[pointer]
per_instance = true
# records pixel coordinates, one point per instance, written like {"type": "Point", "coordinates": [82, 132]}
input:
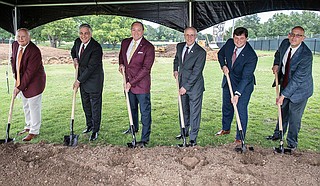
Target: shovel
{"type": "Point", "coordinates": [133, 143]}
{"type": "Point", "coordinates": [243, 146]}
{"type": "Point", "coordinates": [8, 139]}
{"type": "Point", "coordinates": [280, 149]}
{"type": "Point", "coordinates": [72, 139]}
{"type": "Point", "coordinates": [184, 144]}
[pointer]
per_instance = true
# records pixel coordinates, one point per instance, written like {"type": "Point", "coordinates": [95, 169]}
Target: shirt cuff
{"type": "Point", "coordinates": [237, 93]}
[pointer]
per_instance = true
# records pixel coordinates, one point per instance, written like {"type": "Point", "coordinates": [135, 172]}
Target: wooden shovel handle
{"type": "Point", "coordinates": [74, 94]}
{"type": "Point", "coordinates": [234, 105]}
{"type": "Point", "coordinates": [127, 97]}
{"type": "Point", "coordinates": [180, 105]}
{"type": "Point", "coordinates": [279, 106]}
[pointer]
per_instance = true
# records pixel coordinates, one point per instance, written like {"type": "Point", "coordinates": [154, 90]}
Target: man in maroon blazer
{"type": "Point", "coordinates": [28, 70]}
{"type": "Point", "coordinates": [136, 57]}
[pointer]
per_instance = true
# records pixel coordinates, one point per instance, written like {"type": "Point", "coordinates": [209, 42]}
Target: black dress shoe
{"type": "Point", "coordinates": [273, 138]}
{"type": "Point", "coordinates": [94, 136]}
{"type": "Point", "coordinates": [192, 143]}
{"type": "Point", "coordinates": [180, 136]}
{"type": "Point", "coordinates": [142, 144]}
{"type": "Point", "coordinates": [129, 131]}
{"type": "Point", "coordinates": [87, 130]}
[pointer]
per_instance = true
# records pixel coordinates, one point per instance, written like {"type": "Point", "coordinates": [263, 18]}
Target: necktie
{"type": "Point", "coordinates": [81, 51]}
{"type": "Point", "coordinates": [234, 56]}
{"type": "Point", "coordinates": [287, 69]}
{"type": "Point", "coordinates": [132, 50]}
{"type": "Point", "coordinates": [18, 67]}
{"type": "Point", "coordinates": [185, 54]}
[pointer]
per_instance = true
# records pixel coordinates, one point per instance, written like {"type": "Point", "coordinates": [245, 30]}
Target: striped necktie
{"type": "Point", "coordinates": [132, 50]}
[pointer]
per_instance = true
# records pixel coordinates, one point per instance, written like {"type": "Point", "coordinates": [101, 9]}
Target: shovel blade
{"type": "Point", "coordinates": [71, 140]}
{"type": "Point", "coordinates": [6, 140]}
{"type": "Point", "coordinates": [132, 144]}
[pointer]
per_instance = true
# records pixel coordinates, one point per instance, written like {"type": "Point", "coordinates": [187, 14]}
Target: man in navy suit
{"type": "Point", "coordinates": [136, 58]}
{"type": "Point", "coordinates": [188, 66]}
{"type": "Point", "coordinates": [239, 60]}
{"type": "Point", "coordinates": [87, 54]}
{"type": "Point", "coordinates": [296, 84]}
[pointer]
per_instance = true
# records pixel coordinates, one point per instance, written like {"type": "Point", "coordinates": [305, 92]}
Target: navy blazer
{"type": "Point", "coordinates": [190, 71]}
{"type": "Point", "coordinates": [300, 85]}
{"type": "Point", "coordinates": [242, 72]}
{"type": "Point", "coordinates": [90, 73]}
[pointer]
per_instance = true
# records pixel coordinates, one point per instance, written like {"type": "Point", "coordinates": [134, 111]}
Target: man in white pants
{"type": "Point", "coordinates": [30, 78]}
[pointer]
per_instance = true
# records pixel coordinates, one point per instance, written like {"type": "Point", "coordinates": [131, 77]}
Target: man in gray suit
{"type": "Point", "coordinates": [188, 65]}
{"type": "Point", "coordinates": [293, 64]}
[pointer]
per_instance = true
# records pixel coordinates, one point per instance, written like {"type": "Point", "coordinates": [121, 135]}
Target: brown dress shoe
{"type": "Point", "coordinates": [23, 131]}
{"type": "Point", "coordinates": [29, 137]}
{"type": "Point", "coordinates": [222, 132]}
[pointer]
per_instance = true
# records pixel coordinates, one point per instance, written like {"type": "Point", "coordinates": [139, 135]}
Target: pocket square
{"type": "Point", "coordinates": [140, 52]}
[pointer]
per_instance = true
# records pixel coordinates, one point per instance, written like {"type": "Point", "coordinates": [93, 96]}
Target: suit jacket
{"type": "Point", "coordinates": [90, 73]}
{"type": "Point", "coordinates": [138, 70]}
{"type": "Point", "coordinates": [242, 72]}
{"type": "Point", "coordinates": [300, 85]}
{"type": "Point", "coordinates": [32, 74]}
{"type": "Point", "coordinates": [190, 71]}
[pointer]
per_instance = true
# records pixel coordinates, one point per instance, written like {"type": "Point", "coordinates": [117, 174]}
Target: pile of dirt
{"type": "Point", "coordinates": [170, 51]}
{"type": "Point", "coordinates": [53, 164]}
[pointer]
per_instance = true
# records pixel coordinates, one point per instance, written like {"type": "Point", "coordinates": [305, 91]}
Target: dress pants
{"type": "Point", "coordinates": [145, 110]}
{"type": "Point", "coordinates": [92, 104]}
{"type": "Point", "coordinates": [32, 113]}
{"type": "Point", "coordinates": [192, 105]}
{"type": "Point", "coordinates": [291, 115]}
{"type": "Point", "coordinates": [228, 111]}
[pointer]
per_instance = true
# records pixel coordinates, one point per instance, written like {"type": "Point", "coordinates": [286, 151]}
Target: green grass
{"type": "Point", "coordinates": [57, 100]}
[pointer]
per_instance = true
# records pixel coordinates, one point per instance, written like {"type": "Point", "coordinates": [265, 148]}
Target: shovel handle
{"type": "Point", "coordinates": [74, 94]}
{"type": "Point", "coordinates": [127, 97]}
{"type": "Point", "coordinates": [234, 105]}
{"type": "Point", "coordinates": [11, 109]}
{"type": "Point", "coordinates": [180, 105]}
{"type": "Point", "coordinates": [279, 106]}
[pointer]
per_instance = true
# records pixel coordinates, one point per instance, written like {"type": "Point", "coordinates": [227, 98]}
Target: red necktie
{"type": "Point", "coordinates": [287, 70]}
{"type": "Point", "coordinates": [185, 54]}
{"type": "Point", "coordinates": [18, 67]}
{"type": "Point", "coordinates": [81, 51]}
{"type": "Point", "coordinates": [234, 56]}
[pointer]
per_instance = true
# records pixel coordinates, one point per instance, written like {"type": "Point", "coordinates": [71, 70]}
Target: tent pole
{"type": "Point", "coordinates": [15, 20]}
{"type": "Point", "coordinates": [190, 13]}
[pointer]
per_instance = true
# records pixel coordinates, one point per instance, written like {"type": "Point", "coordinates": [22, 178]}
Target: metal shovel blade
{"type": "Point", "coordinates": [184, 144]}
{"type": "Point", "coordinates": [71, 140]}
{"type": "Point", "coordinates": [282, 150]}
{"type": "Point", "coordinates": [6, 140]}
{"type": "Point", "coordinates": [132, 144]}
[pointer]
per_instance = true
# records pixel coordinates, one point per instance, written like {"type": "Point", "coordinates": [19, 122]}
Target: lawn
{"type": "Point", "coordinates": [57, 100]}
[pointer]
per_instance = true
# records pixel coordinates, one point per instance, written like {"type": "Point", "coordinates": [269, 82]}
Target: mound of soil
{"type": "Point", "coordinates": [52, 164]}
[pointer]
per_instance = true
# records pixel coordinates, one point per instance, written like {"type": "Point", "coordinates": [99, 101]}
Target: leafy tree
{"type": "Point", "coordinates": [4, 35]}
{"type": "Point", "coordinates": [59, 30]}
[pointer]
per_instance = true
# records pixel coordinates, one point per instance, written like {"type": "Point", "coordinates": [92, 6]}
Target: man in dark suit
{"type": "Point", "coordinates": [87, 54]}
{"type": "Point", "coordinates": [136, 58]}
{"type": "Point", "coordinates": [30, 78]}
{"type": "Point", "coordinates": [188, 65]}
{"type": "Point", "coordinates": [239, 60]}
{"type": "Point", "coordinates": [293, 64]}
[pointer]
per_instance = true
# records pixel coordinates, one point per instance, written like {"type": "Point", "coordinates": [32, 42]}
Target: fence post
{"type": "Point", "coordinates": [314, 48]}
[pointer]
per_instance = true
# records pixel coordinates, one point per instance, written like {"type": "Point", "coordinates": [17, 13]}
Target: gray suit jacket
{"type": "Point", "coordinates": [300, 85]}
{"type": "Point", "coordinates": [190, 71]}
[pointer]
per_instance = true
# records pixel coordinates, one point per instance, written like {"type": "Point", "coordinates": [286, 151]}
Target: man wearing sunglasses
{"type": "Point", "coordinates": [293, 64]}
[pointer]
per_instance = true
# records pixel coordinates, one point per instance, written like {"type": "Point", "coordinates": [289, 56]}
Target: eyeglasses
{"type": "Point", "coordinates": [295, 35]}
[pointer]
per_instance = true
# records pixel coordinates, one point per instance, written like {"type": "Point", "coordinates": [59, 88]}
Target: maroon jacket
{"type": "Point", "coordinates": [139, 69]}
{"type": "Point", "coordinates": [32, 75]}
